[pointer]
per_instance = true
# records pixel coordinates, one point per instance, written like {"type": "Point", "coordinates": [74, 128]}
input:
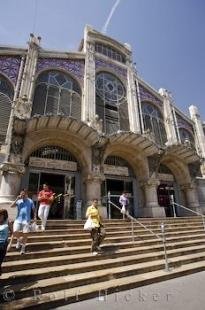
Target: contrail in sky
{"type": "Point", "coordinates": [112, 11]}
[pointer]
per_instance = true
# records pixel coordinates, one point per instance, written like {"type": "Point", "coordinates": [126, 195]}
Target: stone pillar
{"type": "Point", "coordinates": [169, 119]}
{"type": "Point", "coordinates": [88, 107]}
{"type": "Point", "coordinates": [10, 184]}
{"type": "Point", "coordinates": [152, 208]}
{"type": "Point", "coordinates": [191, 197]}
{"type": "Point", "coordinates": [24, 102]}
{"type": "Point", "coordinates": [134, 118]}
{"type": "Point", "coordinates": [200, 136]}
{"type": "Point", "coordinates": [93, 191]}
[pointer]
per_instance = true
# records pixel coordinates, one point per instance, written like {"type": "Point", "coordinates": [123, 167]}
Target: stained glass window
{"type": "Point", "coordinates": [185, 135]}
{"type": "Point", "coordinates": [57, 93]}
{"type": "Point", "coordinates": [153, 121]}
{"type": "Point", "coordinates": [109, 52]}
{"type": "Point", "coordinates": [111, 103]}
{"type": "Point", "coordinates": [6, 96]}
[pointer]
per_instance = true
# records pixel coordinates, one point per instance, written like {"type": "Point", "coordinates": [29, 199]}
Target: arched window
{"type": "Point", "coordinates": [57, 93]}
{"type": "Point", "coordinates": [109, 52]}
{"type": "Point", "coordinates": [111, 104]}
{"type": "Point", "coordinates": [6, 97]}
{"type": "Point", "coordinates": [185, 135]}
{"type": "Point", "coordinates": [153, 121]}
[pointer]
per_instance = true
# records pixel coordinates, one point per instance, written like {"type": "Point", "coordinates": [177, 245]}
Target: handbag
{"type": "Point", "coordinates": [123, 210]}
{"type": "Point", "coordinates": [34, 227]}
{"type": "Point", "coordinates": [89, 224]}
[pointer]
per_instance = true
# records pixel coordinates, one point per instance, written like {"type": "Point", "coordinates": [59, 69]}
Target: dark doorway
{"type": "Point", "coordinates": [165, 193]}
{"type": "Point", "coordinates": [57, 183]}
{"type": "Point", "coordinates": [116, 187]}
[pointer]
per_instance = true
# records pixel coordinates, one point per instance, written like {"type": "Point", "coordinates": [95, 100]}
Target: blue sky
{"type": "Point", "coordinates": [167, 36]}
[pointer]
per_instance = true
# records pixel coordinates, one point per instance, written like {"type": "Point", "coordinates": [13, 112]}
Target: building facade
{"type": "Point", "coordinates": [87, 124]}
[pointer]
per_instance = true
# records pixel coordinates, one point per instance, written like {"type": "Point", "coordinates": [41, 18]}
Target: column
{"type": "Point", "coordinates": [93, 191]}
{"type": "Point", "coordinates": [169, 120]}
{"type": "Point", "coordinates": [88, 107]}
{"type": "Point", "coordinates": [133, 110]}
{"type": "Point", "coordinates": [24, 102]}
{"type": "Point", "coordinates": [10, 184]}
{"type": "Point", "coordinates": [200, 136]}
{"type": "Point", "coordinates": [152, 208]}
{"type": "Point", "coordinates": [191, 197]}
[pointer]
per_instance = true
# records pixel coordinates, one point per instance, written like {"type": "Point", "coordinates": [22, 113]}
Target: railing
{"type": "Point", "coordinates": [190, 210]}
{"type": "Point", "coordinates": [134, 220]}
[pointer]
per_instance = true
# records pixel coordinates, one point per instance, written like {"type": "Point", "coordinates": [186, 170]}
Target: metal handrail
{"type": "Point", "coordinates": [188, 209]}
{"type": "Point", "coordinates": [162, 226]}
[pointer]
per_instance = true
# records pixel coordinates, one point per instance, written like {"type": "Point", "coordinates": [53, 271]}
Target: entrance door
{"type": "Point", "coordinates": [116, 187]}
{"type": "Point", "coordinates": [56, 182]}
{"type": "Point", "coordinates": [60, 184]}
{"type": "Point", "coordinates": [165, 194]}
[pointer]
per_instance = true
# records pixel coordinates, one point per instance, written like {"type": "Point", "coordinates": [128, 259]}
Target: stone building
{"type": "Point", "coordinates": [87, 124]}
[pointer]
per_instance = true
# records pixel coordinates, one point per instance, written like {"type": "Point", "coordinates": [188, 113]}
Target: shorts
{"type": "Point", "coordinates": [21, 227]}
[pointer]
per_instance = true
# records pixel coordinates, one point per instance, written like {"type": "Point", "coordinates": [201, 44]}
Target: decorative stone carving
{"type": "Point", "coordinates": [98, 151]}
{"type": "Point", "coordinates": [12, 168]}
{"type": "Point", "coordinates": [17, 144]}
{"type": "Point", "coordinates": [96, 123]}
{"type": "Point", "coordinates": [22, 108]}
{"type": "Point", "coordinates": [154, 163]}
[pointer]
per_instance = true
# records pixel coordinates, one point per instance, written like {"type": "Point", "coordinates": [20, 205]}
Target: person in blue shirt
{"type": "Point", "coordinates": [21, 226]}
{"type": "Point", "coordinates": [5, 227]}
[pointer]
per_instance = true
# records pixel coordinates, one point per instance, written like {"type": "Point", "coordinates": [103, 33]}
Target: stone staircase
{"type": "Point", "coordinates": [59, 269]}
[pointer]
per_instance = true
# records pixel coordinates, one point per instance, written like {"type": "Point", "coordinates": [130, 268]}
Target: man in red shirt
{"type": "Point", "coordinates": [45, 197]}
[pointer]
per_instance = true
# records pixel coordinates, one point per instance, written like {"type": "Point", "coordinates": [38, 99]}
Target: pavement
{"type": "Point", "coordinates": [187, 292]}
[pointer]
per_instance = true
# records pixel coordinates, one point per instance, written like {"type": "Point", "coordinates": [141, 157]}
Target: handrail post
{"type": "Point", "coordinates": [162, 226]}
{"type": "Point", "coordinates": [109, 207]}
{"type": "Point", "coordinates": [172, 203]}
{"type": "Point", "coordinates": [133, 237]}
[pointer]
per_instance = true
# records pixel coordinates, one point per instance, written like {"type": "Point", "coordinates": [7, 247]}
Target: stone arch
{"type": "Point", "coordinates": [178, 168]}
{"type": "Point", "coordinates": [135, 158]}
{"type": "Point", "coordinates": [68, 141]}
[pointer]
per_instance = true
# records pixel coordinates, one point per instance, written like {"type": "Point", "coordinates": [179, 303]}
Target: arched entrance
{"type": "Point", "coordinates": [119, 177]}
{"type": "Point", "coordinates": [58, 168]}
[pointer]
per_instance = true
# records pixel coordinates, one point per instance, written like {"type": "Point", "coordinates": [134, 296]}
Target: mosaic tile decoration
{"type": "Point", "coordinates": [9, 66]}
{"type": "Point", "coordinates": [76, 67]}
{"type": "Point", "coordinates": [182, 123]}
{"type": "Point", "coordinates": [103, 64]}
{"type": "Point", "coordinates": [146, 95]}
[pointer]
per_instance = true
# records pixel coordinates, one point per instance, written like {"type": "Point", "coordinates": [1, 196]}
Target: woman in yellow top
{"type": "Point", "coordinates": [97, 233]}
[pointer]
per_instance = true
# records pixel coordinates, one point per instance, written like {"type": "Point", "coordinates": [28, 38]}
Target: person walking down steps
{"type": "Point", "coordinates": [97, 230]}
{"type": "Point", "coordinates": [45, 197]}
{"type": "Point", "coordinates": [21, 226]}
{"type": "Point", "coordinates": [124, 202]}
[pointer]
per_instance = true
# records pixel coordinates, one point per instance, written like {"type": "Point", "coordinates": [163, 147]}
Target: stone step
{"type": "Point", "coordinates": [137, 227]}
{"type": "Point", "coordinates": [37, 237]}
{"type": "Point", "coordinates": [139, 239]}
{"type": "Point", "coordinates": [87, 257]}
{"type": "Point", "coordinates": [70, 289]}
{"type": "Point", "coordinates": [37, 274]}
{"type": "Point", "coordinates": [58, 225]}
{"type": "Point", "coordinates": [12, 256]}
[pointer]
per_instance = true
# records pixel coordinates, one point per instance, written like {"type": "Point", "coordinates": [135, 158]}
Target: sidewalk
{"type": "Point", "coordinates": [187, 293]}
